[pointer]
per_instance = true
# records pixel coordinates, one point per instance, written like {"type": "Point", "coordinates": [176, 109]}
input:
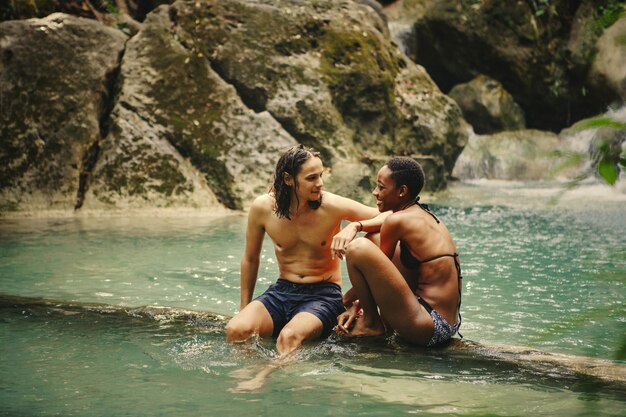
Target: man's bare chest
{"type": "Point", "coordinates": [291, 235]}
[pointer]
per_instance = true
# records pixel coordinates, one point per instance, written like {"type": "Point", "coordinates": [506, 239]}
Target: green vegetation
{"type": "Point", "coordinates": [540, 7]}
{"type": "Point", "coordinates": [109, 6]}
{"type": "Point", "coordinates": [606, 155]}
{"type": "Point", "coordinates": [609, 14]}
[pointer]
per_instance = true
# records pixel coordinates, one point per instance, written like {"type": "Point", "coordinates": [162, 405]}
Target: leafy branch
{"type": "Point", "coordinates": [607, 154]}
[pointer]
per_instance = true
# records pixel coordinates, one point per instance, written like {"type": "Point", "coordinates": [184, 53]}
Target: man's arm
{"type": "Point", "coordinates": [255, 232]}
{"type": "Point", "coordinates": [353, 210]}
{"type": "Point", "coordinates": [362, 219]}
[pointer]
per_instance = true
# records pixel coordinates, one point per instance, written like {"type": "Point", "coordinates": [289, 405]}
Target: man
{"type": "Point", "coordinates": [301, 220]}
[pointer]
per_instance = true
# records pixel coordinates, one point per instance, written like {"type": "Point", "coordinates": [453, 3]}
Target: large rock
{"type": "Point", "coordinates": [608, 73]}
{"type": "Point", "coordinates": [55, 81]}
{"type": "Point", "coordinates": [524, 45]}
{"type": "Point", "coordinates": [105, 10]}
{"type": "Point", "coordinates": [209, 93]}
{"type": "Point", "coordinates": [329, 74]}
{"type": "Point", "coordinates": [522, 155]}
{"type": "Point", "coordinates": [487, 106]}
{"type": "Point", "coordinates": [180, 135]}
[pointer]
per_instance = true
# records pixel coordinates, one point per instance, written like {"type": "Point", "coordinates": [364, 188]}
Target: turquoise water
{"type": "Point", "coordinates": [547, 277]}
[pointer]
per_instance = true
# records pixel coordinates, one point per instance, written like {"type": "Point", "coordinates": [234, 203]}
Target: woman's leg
{"type": "Point", "coordinates": [379, 284]}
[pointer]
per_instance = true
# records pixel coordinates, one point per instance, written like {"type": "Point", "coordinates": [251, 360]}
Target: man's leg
{"type": "Point", "coordinates": [302, 327]}
{"type": "Point", "coordinates": [253, 319]}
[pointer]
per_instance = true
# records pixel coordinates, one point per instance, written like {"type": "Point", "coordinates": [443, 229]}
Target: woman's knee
{"type": "Point", "coordinates": [374, 237]}
{"type": "Point", "coordinates": [359, 247]}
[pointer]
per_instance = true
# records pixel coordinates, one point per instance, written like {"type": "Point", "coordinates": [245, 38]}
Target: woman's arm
{"type": "Point", "coordinates": [390, 233]}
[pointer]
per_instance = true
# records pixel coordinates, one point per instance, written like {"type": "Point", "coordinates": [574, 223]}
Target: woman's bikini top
{"type": "Point", "coordinates": [411, 262]}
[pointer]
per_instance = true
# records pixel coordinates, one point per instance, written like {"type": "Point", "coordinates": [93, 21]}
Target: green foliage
{"type": "Point", "coordinates": [606, 155]}
{"type": "Point", "coordinates": [609, 14]}
{"type": "Point", "coordinates": [110, 6]}
{"type": "Point", "coordinates": [567, 160]}
{"type": "Point", "coordinates": [540, 7]}
{"type": "Point", "coordinates": [598, 122]}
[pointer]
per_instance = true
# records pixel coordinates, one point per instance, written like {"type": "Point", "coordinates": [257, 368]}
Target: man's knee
{"type": "Point", "coordinates": [238, 330]}
{"type": "Point", "coordinates": [289, 336]}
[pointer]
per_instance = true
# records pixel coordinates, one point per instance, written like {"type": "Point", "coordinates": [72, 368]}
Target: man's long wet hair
{"type": "Point", "coordinates": [407, 171]}
{"type": "Point", "coordinates": [290, 162]}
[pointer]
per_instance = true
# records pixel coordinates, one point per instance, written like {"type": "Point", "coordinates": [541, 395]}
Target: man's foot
{"type": "Point", "coordinates": [256, 382]}
{"type": "Point", "coordinates": [251, 385]}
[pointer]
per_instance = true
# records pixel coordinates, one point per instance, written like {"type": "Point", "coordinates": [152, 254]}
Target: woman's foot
{"type": "Point", "coordinates": [364, 327]}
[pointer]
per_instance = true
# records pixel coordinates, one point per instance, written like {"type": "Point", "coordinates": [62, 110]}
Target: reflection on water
{"type": "Point", "coordinates": [548, 276]}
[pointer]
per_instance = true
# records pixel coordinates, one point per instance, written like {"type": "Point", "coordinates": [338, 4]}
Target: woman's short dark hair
{"type": "Point", "coordinates": [290, 162]}
{"type": "Point", "coordinates": [407, 171]}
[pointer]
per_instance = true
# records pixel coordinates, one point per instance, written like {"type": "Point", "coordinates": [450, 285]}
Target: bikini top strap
{"type": "Point", "coordinates": [426, 208]}
{"type": "Point", "coordinates": [452, 255]}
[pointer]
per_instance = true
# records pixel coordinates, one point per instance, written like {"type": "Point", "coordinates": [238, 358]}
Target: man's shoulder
{"type": "Point", "coordinates": [344, 206]}
{"type": "Point", "coordinates": [262, 204]}
{"type": "Point", "coordinates": [335, 200]}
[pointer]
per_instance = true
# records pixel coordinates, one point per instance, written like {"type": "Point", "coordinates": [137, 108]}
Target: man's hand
{"type": "Point", "coordinates": [341, 240]}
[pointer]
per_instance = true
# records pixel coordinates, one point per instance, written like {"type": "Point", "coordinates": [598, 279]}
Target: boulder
{"type": "Point", "coordinates": [56, 75]}
{"type": "Point", "coordinates": [196, 109]}
{"type": "Point", "coordinates": [524, 45]}
{"type": "Point", "coordinates": [311, 67]}
{"type": "Point", "coordinates": [487, 106]}
{"type": "Point", "coordinates": [180, 135]}
{"type": "Point", "coordinates": [102, 10]}
{"type": "Point", "coordinates": [523, 155]}
{"type": "Point", "coordinates": [608, 72]}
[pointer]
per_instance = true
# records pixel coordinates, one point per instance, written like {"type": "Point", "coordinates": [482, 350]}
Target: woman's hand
{"type": "Point", "coordinates": [346, 319]}
{"type": "Point", "coordinates": [341, 240]}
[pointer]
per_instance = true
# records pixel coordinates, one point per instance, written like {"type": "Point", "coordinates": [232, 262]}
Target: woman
{"type": "Point", "coordinates": [411, 272]}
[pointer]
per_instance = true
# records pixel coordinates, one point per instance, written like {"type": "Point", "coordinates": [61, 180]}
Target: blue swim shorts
{"type": "Point", "coordinates": [284, 299]}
